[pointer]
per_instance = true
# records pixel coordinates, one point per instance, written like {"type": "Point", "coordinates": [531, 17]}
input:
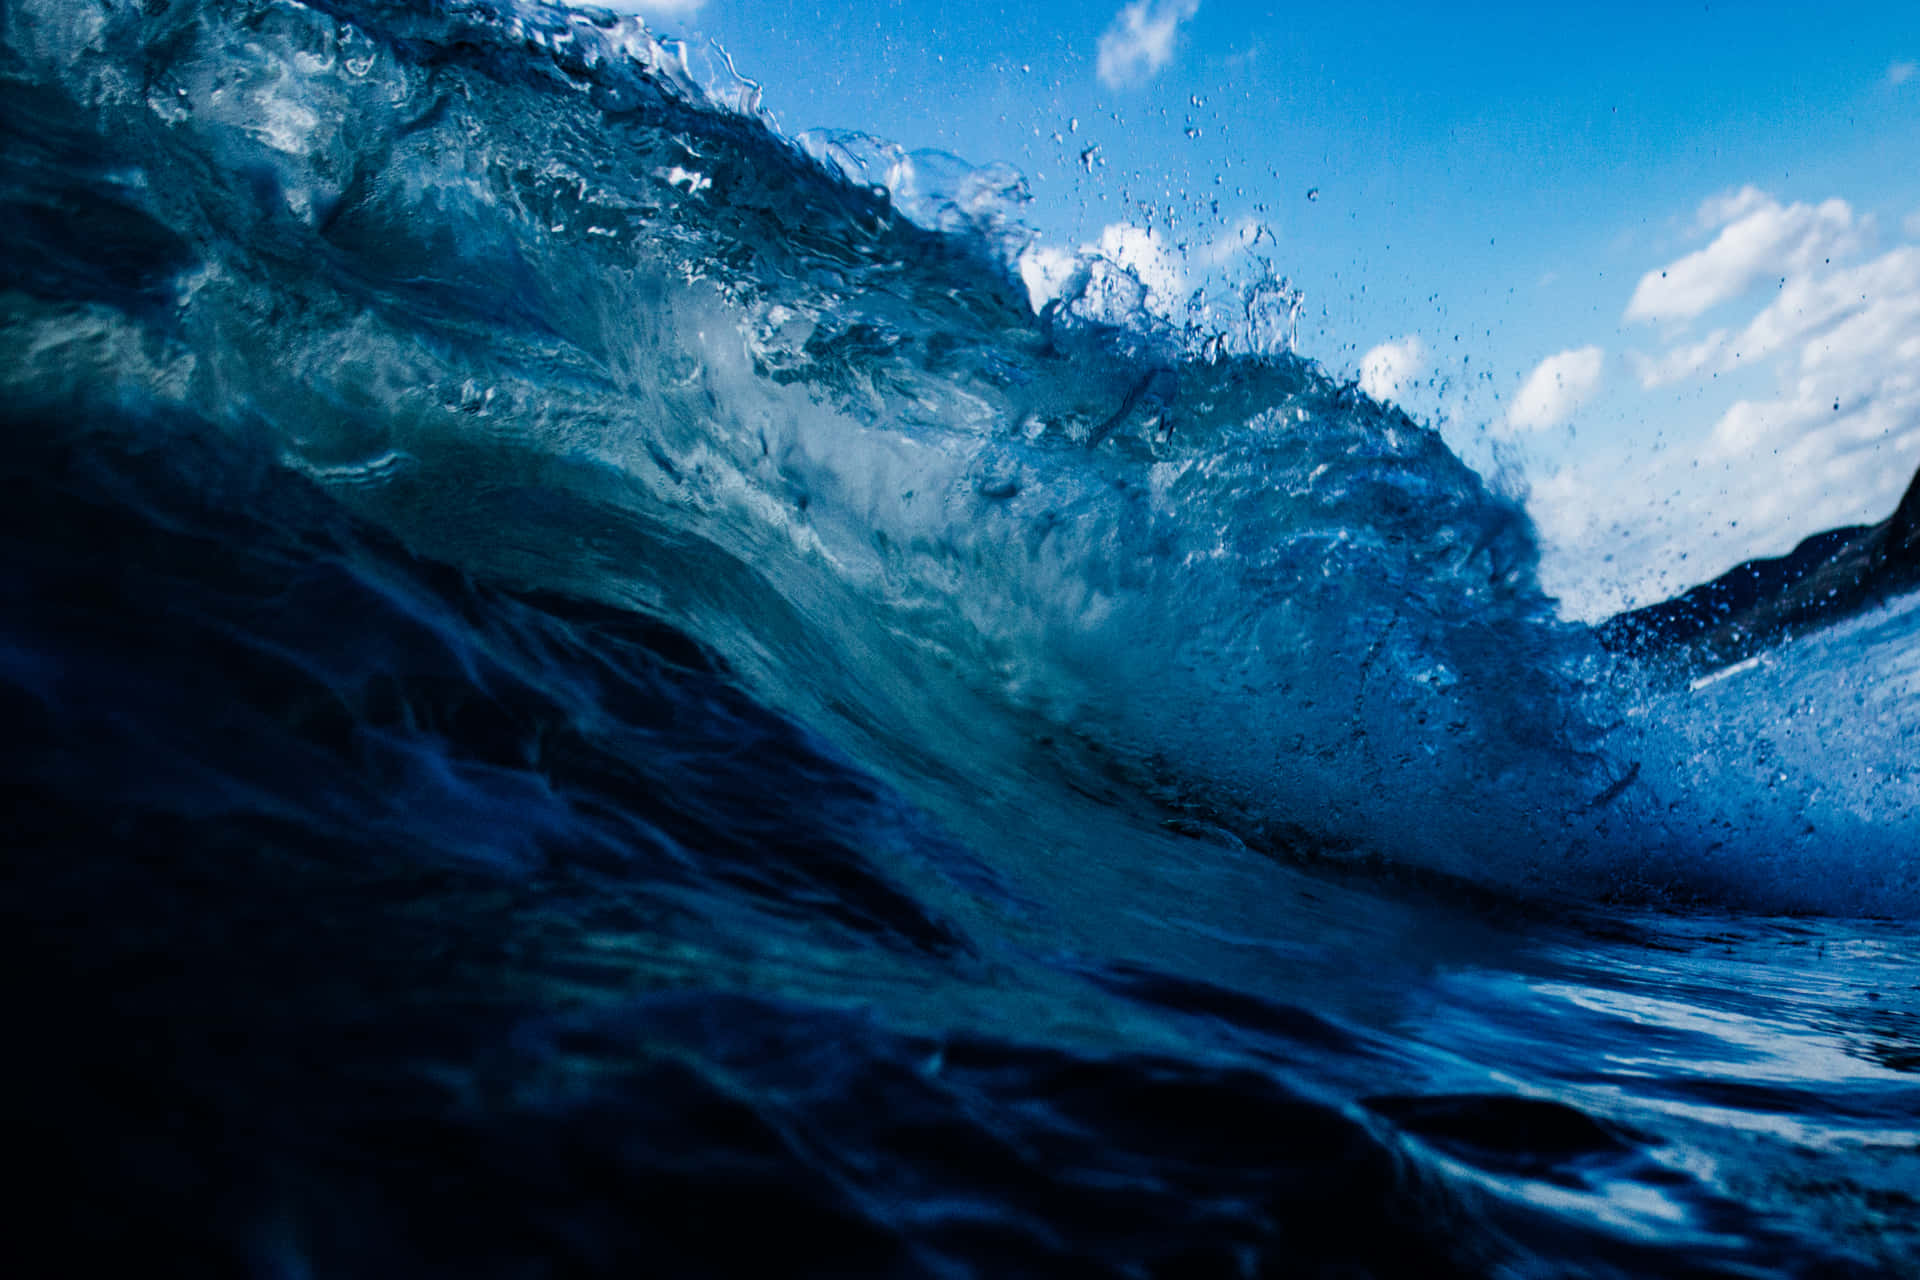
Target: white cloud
{"type": "Point", "coordinates": [1898, 73]}
{"type": "Point", "coordinates": [1763, 238]}
{"type": "Point", "coordinates": [1390, 368]}
{"type": "Point", "coordinates": [1679, 362]}
{"type": "Point", "coordinates": [1841, 436]}
{"type": "Point", "coordinates": [1911, 225]}
{"type": "Point", "coordinates": [1804, 309]}
{"type": "Point", "coordinates": [1809, 307]}
{"type": "Point", "coordinates": [1139, 41]}
{"type": "Point", "coordinates": [1559, 385]}
{"type": "Point", "coordinates": [1835, 441]}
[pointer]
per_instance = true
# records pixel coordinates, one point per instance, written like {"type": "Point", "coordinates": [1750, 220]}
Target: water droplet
{"type": "Point", "coordinates": [1313, 193]}
{"type": "Point", "coordinates": [1090, 157]}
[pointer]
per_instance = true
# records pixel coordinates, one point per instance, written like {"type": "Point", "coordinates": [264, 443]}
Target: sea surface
{"type": "Point", "coordinates": [588, 690]}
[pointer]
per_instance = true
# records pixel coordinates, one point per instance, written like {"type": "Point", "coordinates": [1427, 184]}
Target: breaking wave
{"type": "Point", "coordinates": [523, 287]}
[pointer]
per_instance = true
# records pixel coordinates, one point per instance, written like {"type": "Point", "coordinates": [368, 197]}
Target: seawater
{"type": "Point", "coordinates": [591, 691]}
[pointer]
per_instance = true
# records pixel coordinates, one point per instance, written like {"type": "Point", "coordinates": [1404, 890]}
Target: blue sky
{"type": "Point", "coordinates": [1499, 188]}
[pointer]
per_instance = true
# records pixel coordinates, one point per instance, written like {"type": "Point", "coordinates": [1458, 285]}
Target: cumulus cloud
{"type": "Point", "coordinates": [1759, 238]}
{"type": "Point", "coordinates": [1899, 73]}
{"type": "Point", "coordinates": [1139, 41]}
{"type": "Point", "coordinates": [1390, 368]}
{"type": "Point", "coordinates": [1557, 386]}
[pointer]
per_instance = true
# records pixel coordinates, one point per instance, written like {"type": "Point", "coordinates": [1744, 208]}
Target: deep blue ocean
{"type": "Point", "coordinates": [588, 692]}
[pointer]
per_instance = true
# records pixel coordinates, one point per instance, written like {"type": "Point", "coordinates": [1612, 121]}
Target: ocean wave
{"type": "Point", "coordinates": [480, 268]}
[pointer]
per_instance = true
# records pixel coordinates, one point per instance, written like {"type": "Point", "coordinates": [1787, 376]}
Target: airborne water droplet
{"type": "Point", "coordinates": [1313, 193]}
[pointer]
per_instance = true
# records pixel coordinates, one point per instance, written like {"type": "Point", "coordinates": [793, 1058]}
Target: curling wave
{"type": "Point", "coordinates": [479, 268]}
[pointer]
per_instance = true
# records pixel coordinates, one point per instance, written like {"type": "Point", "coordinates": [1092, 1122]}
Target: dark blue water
{"type": "Point", "coordinates": [585, 695]}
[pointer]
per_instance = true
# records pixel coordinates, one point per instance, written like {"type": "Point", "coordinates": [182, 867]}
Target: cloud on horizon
{"type": "Point", "coordinates": [1139, 41]}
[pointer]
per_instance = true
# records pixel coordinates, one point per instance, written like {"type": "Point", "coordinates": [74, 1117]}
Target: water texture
{"type": "Point", "coordinates": [592, 690]}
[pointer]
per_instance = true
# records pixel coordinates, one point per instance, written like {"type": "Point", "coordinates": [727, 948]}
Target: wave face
{"type": "Point", "coordinates": [637, 622]}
